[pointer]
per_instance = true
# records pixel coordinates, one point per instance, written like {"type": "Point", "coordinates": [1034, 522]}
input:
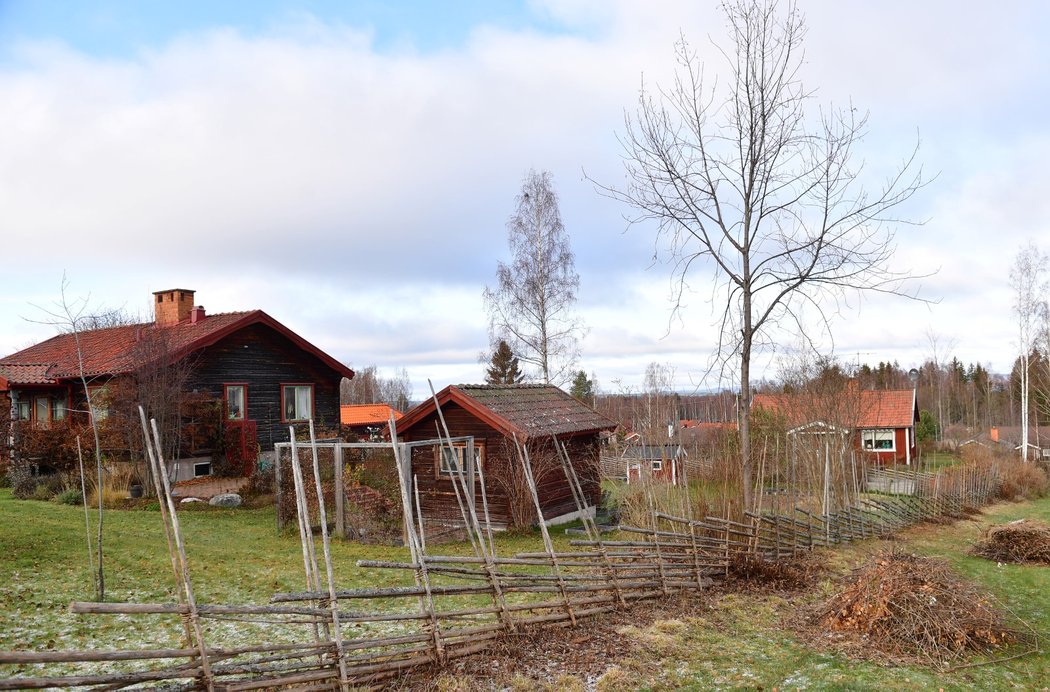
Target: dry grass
{"type": "Point", "coordinates": [1020, 481]}
{"type": "Point", "coordinates": [786, 574]}
{"type": "Point", "coordinates": [1021, 542]}
{"type": "Point", "coordinates": [906, 608]}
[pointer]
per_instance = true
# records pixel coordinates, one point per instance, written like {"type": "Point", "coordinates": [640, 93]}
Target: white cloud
{"type": "Point", "coordinates": [360, 195]}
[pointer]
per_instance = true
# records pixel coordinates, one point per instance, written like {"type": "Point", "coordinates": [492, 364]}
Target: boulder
{"type": "Point", "coordinates": [226, 500]}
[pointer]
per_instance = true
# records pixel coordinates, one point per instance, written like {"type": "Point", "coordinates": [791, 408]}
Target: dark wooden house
{"type": "Point", "coordinates": [494, 415]}
{"type": "Point", "coordinates": [266, 377]}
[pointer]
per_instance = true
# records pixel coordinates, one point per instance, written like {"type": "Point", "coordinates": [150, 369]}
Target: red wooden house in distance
{"type": "Point", "coordinates": [495, 415]}
{"type": "Point", "coordinates": [881, 423]}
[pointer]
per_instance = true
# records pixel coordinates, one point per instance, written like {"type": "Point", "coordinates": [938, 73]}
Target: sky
{"type": "Point", "coordinates": [349, 167]}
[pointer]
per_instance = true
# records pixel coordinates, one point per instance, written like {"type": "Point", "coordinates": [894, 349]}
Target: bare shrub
{"type": "Point", "coordinates": [1019, 481]}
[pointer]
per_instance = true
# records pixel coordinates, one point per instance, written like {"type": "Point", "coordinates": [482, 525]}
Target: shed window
{"type": "Point", "coordinates": [24, 411]}
{"type": "Point", "coordinates": [298, 401]}
{"type": "Point", "coordinates": [58, 409]}
{"type": "Point", "coordinates": [454, 459]}
{"type": "Point", "coordinates": [878, 440]}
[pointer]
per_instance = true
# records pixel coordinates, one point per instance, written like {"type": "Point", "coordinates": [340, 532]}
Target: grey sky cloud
{"type": "Point", "coordinates": [360, 193]}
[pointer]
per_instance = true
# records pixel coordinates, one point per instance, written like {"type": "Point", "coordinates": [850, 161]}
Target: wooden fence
{"type": "Point", "coordinates": [328, 638]}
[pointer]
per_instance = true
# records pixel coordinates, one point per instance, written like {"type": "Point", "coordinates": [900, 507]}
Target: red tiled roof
{"type": "Point", "coordinates": [526, 410]}
{"type": "Point", "coordinates": [860, 409]}
{"type": "Point", "coordinates": [367, 414]}
{"type": "Point", "coordinates": [26, 373]}
{"type": "Point", "coordinates": [119, 350]}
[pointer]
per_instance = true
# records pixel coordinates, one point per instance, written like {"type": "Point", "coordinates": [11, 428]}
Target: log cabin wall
{"type": "Point", "coordinates": [437, 495]}
{"type": "Point", "coordinates": [264, 359]}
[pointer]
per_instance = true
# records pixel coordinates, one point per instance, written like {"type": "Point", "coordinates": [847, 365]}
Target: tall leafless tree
{"type": "Point", "coordinates": [532, 305]}
{"type": "Point", "coordinates": [1027, 279]}
{"type": "Point", "coordinates": [743, 182]}
{"type": "Point", "coordinates": [369, 387]}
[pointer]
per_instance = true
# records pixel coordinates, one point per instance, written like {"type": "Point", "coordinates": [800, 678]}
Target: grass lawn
{"type": "Point", "coordinates": [236, 556]}
{"type": "Point", "coordinates": [745, 640]}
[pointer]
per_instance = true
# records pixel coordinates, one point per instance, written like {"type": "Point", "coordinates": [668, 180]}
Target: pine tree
{"type": "Point", "coordinates": [582, 388]}
{"type": "Point", "coordinates": [504, 366]}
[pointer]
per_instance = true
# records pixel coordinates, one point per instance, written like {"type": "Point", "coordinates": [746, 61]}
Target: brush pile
{"type": "Point", "coordinates": [1022, 542]}
{"type": "Point", "coordinates": [911, 608]}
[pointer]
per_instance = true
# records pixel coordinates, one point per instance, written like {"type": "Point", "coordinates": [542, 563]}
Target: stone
{"type": "Point", "coordinates": [226, 500]}
{"type": "Point", "coordinates": [187, 500]}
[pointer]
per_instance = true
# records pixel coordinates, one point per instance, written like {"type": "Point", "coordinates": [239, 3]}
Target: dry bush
{"type": "Point", "coordinates": [638, 500]}
{"type": "Point", "coordinates": [1021, 542]}
{"type": "Point", "coordinates": [786, 574]}
{"type": "Point", "coordinates": [1020, 481]}
{"type": "Point", "coordinates": [906, 607]}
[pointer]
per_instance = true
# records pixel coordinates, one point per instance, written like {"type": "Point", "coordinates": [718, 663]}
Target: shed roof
{"type": "Point", "coordinates": [120, 350]}
{"type": "Point", "coordinates": [526, 410]}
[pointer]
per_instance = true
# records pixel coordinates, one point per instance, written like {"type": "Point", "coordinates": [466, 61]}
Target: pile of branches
{"type": "Point", "coordinates": [910, 608]}
{"type": "Point", "coordinates": [1021, 541]}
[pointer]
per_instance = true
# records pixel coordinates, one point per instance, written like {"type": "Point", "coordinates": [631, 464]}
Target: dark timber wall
{"type": "Point", "coordinates": [264, 359]}
{"type": "Point", "coordinates": [437, 495]}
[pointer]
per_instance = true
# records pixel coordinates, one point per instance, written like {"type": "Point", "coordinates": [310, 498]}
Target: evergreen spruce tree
{"type": "Point", "coordinates": [504, 366]}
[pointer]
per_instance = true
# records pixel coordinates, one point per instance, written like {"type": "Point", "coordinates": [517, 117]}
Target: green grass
{"type": "Point", "coordinates": [934, 461]}
{"type": "Point", "coordinates": [747, 641]}
{"type": "Point", "coordinates": [236, 556]}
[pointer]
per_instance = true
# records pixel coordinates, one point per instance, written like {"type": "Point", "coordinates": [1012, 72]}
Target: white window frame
{"type": "Point", "coordinates": [242, 413]}
{"type": "Point", "coordinates": [445, 470]}
{"type": "Point", "coordinates": [870, 439]}
{"type": "Point", "coordinates": [296, 390]}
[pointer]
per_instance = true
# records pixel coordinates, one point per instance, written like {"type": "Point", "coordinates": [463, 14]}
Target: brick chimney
{"type": "Point", "coordinates": [172, 306]}
{"type": "Point", "coordinates": [196, 314]}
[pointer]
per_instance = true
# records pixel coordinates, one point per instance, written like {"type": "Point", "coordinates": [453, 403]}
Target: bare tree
{"type": "Point", "coordinates": [742, 181]}
{"type": "Point", "coordinates": [369, 387]}
{"type": "Point", "coordinates": [532, 305]}
{"type": "Point", "coordinates": [1028, 283]}
{"type": "Point", "coordinates": [69, 316]}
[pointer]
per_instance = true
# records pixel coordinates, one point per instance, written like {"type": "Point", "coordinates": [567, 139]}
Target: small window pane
{"type": "Point", "coordinates": [235, 402]}
{"type": "Point", "coordinates": [58, 409]}
{"type": "Point", "coordinates": [298, 402]}
{"type": "Point", "coordinates": [24, 412]}
{"type": "Point", "coordinates": [42, 406]}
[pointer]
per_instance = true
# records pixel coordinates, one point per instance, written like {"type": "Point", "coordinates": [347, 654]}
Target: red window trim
{"type": "Point", "coordinates": [313, 406]}
{"type": "Point", "coordinates": [226, 403]}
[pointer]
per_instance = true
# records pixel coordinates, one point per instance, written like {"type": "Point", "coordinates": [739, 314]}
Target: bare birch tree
{"type": "Point", "coordinates": [1028, 283]}
{"type": "Point", "coordinates": [532, 305]}
{"type": "Point", "coordinates": [741, 181]}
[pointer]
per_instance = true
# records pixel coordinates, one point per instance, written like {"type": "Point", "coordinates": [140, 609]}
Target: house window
{"type": "Point", "coordinates": [657, 463]}
{"type": "Point", "coordinates": [236, 401]}
{"type": "Point", "coordinates": [58, 409]}
{"type": "Point", "coordinates": [297, 402]}
{"type": "Point", "coordinates": [24, 411]}
{"type": "Point", "coordinates": [451, 460]}
{"type": "Point", "coordinates": [201, 468]}
{"type": "Point", "coordinates": [41, 410]}
{"type": "Point", "coordinates": [878, 440]}
{"type": "Point", "coordinates": [98, 402]}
